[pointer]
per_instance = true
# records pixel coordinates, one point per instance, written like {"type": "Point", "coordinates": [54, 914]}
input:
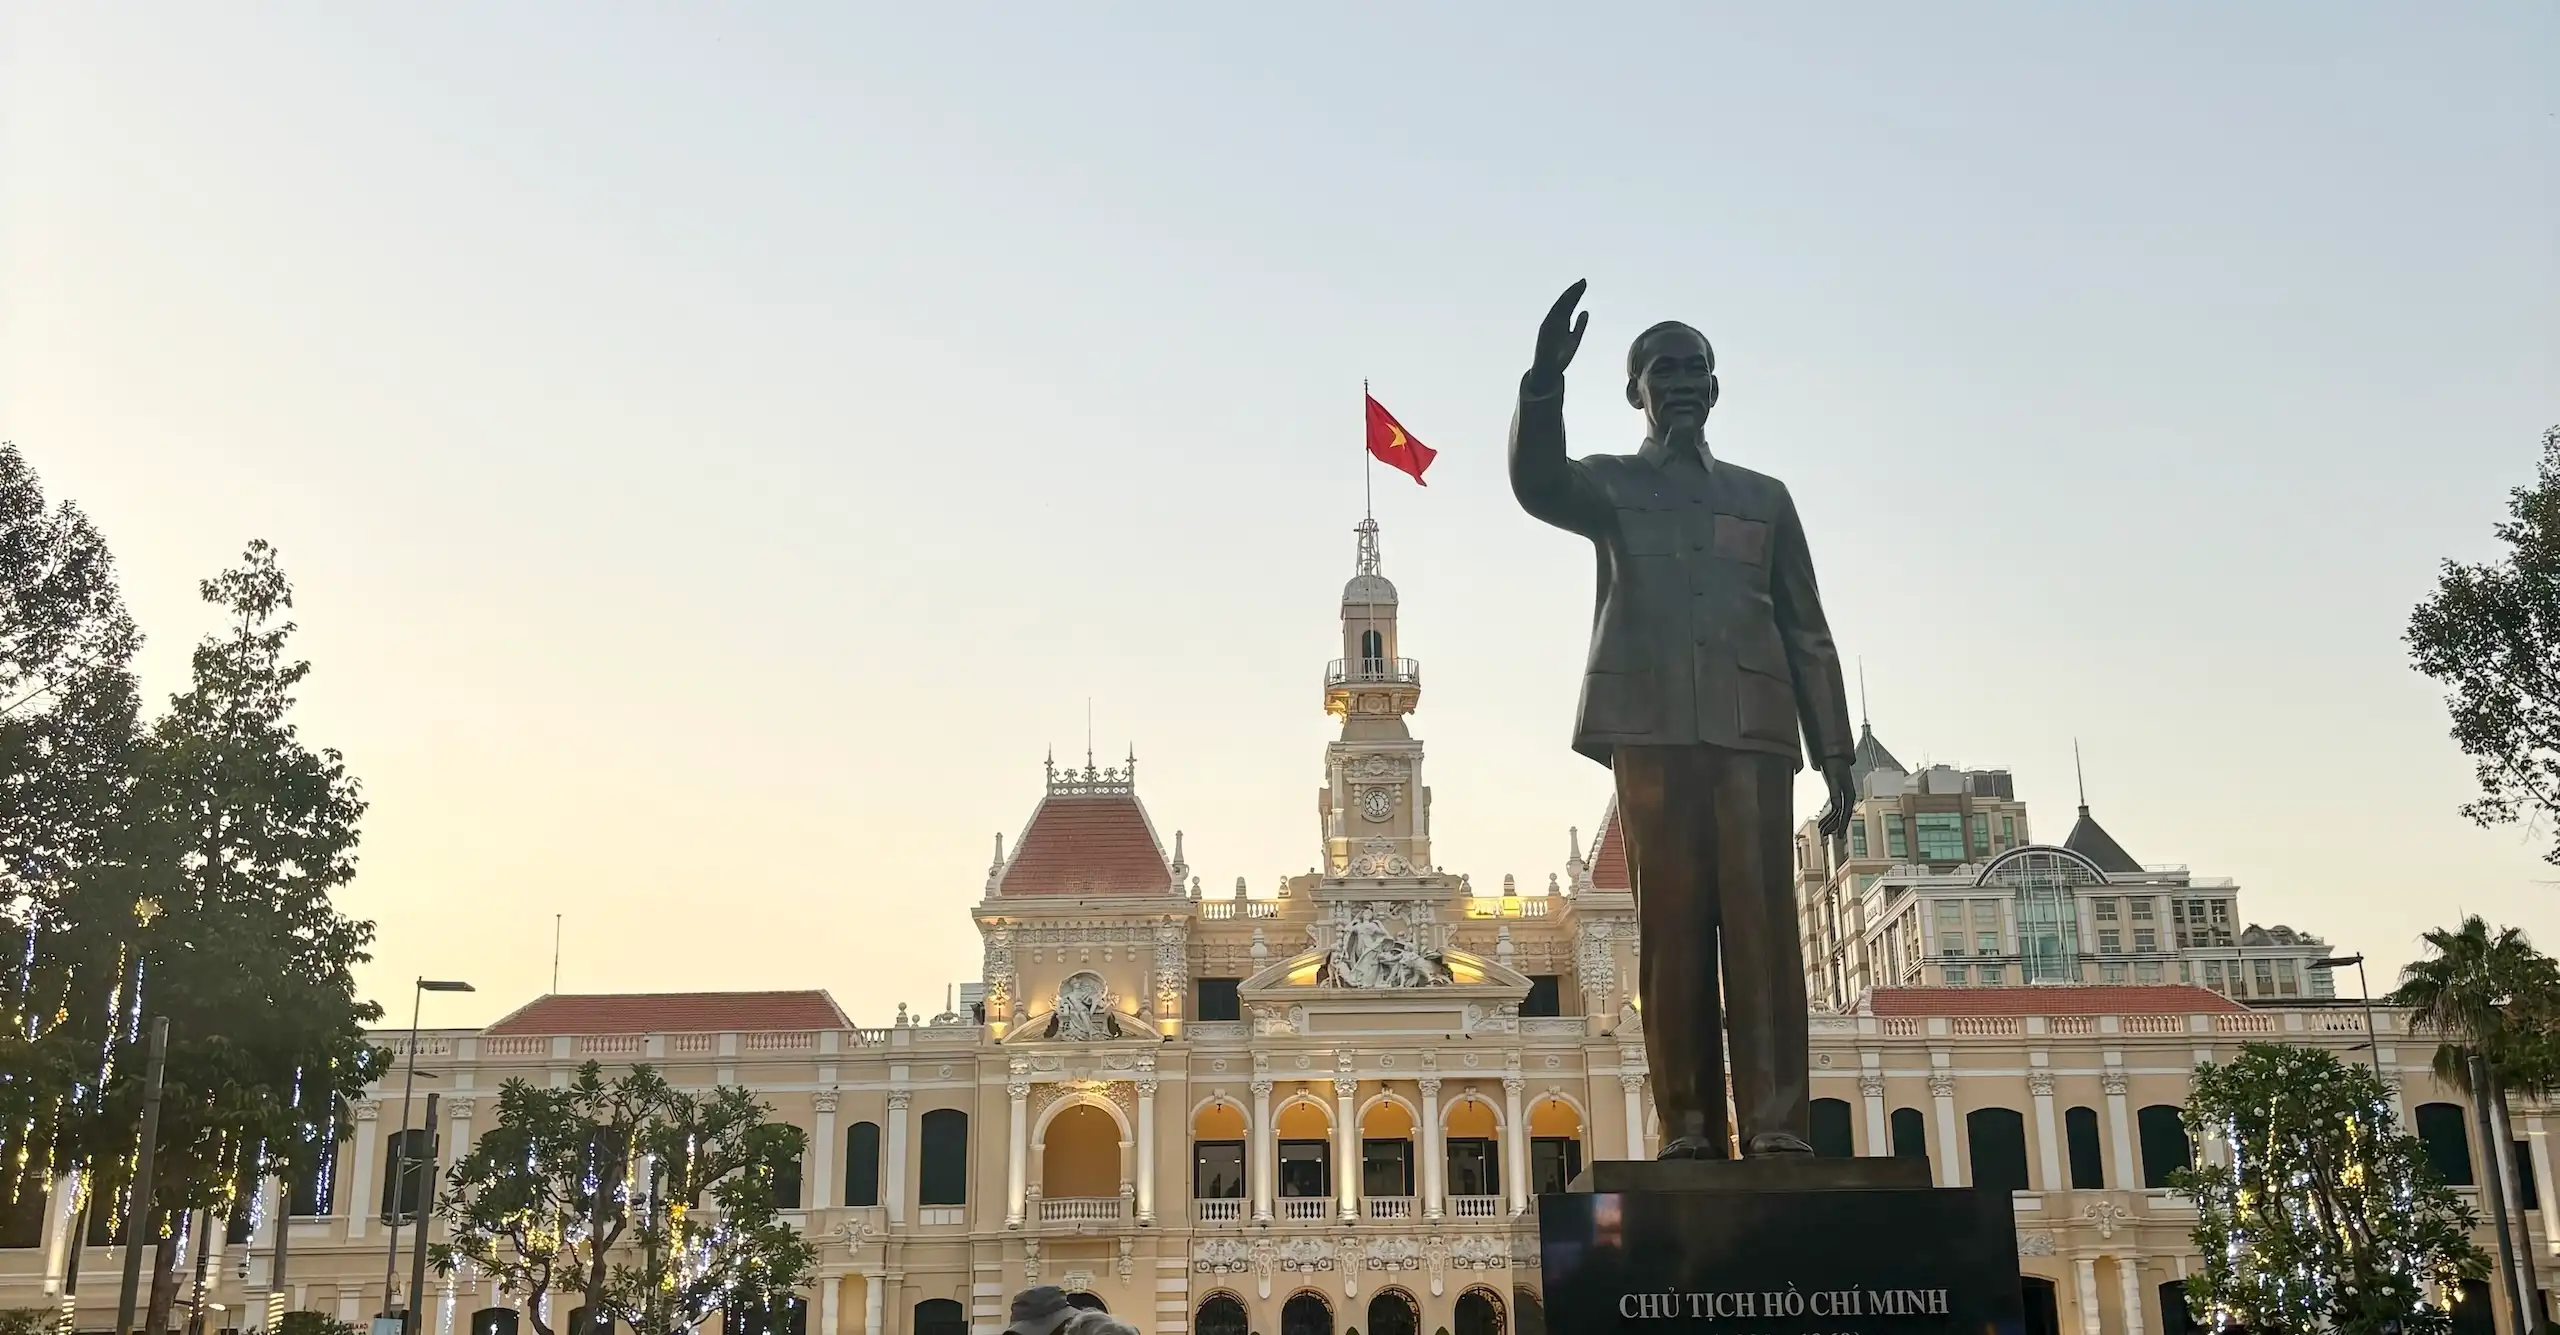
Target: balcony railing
{"type": "Point", "coordinates": [1373, 671]}
{"type": "Point", "coordinates": [1306, 1207]}
{"type": "Point", "coordinates": [1239, 908]}
{"type": "Point", "coordinates": [1389, 1207]}
{"type": "Point", "coordinates": [1081, 1209]}
{"type": "Point", "coordinates": [1475, 1207]}
{"type": "Point", "coordinates": [1227, 1211]}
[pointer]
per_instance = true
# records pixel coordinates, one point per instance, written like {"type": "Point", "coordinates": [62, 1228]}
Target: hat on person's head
{"type": "Point", "coordinates": [1040, 1311]}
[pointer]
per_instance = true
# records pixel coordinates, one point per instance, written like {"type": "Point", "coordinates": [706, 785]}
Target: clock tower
{"type": "Point", "coordinates": [1376, 814]}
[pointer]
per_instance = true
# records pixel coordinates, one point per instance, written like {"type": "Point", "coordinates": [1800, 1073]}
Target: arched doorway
{"type": "Point", "coordinates": [1305, 1132]}
{"type": "Point", "coordinates": [1479, 1312]}
{"type": "Point", "coordinates": [1087, 1301]}
{"type": "Point", "coordinates": [2177, 1315]}
{"type": "Point", "coordinates": [1555, 1146]}
{"type": "Point", "coordinates": [1386, 1159]}
{"type": "Point", "coordinates": [941, 1316]}
{"type": "Point", "coordinates": [1528, 1312]}
{"type": "Point", "coordinates": [1306, 1314]}
{"type": "Point", "coordinates": [1219, 1314]}
{"type": "Point", "coordinates": [1217, 1161]}
{"type": "Point", "coordinates": [2044, 1316]}
{"type": "Point", "coordinates": [2471, 1314]}
{"type": "Point", "coordinates": [1394, 1312]}
{"type": "Point", "coordinates": [1080, 1155]}
{"type": "Point", "coordinates": [494, 1321]}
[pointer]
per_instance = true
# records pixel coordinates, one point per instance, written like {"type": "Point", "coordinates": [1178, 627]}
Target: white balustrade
{"type": "Point", "coordinates": [1475, 1207]}
{"type": "Point", "coordinates": [1082, 1209]}
{"type": "Point", "coordinates": [1227, 1211]}
{"type": "Point", "coordinates": [1306, 1207]}
{"type": "Point", "coordinates": [1389, 1207]}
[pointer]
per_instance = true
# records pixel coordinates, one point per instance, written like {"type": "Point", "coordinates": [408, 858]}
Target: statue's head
{"type": "Point", "coordinates": [1671, 375]}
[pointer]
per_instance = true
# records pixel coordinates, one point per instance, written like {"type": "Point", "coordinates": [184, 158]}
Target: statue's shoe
{"type": "Point", "coordinates": [1774, 1145]}
{"type": "Point", "coordinates": [1683, 1147]}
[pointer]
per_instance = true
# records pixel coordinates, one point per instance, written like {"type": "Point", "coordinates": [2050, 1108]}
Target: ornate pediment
{"type": "Point", "coordinates": [1294, 998]}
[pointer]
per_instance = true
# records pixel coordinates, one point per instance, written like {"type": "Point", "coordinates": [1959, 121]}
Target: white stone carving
{"type": "Point", "coordinates": [1368, 953]}
{"type": "Point", "coordinates": [1222, 1256]}
{"type": "Point", "coordinates": [1942, 1086]}
{"type": "Point", "coordinates": [2106, 1215]}
{"type": "Point", "coordinates": [1436, 1252]}
{"type": "Point", "coordinates": [1596, 955]}
{"type": "Point", "coordinates": [1871, 1084]}
{"type": "Point", "coordinates": [1085, 1014]}
{"type": "Point", "coordinates": [2112, 1082]}
{"type": "Point", "coordinates": [2040, 1084]}
{"type": "Point", "coordinates": [1169, 966]}
{"type": "Point", "coordinates": [1305, 1255]}
{"type": "Point", "coordinates": [1398, 1253]}
{"type": "Point", "coordinates": [1031, 1262]}
{"type": "Point", "coordinates": [1479, 1251]}
{"type": "Point", "coordinates": [824, 1100]}
{"type": "Point", "coordinates": [997, 971]}
{"type": "Point", "coordinates": [2039, 1243]}
{"type": "Point", "coordinates": [854, 1232]}
{"type": "Point", "coordinates": [1524, 1252]}
{"type": "Point", "coordinates": [1379, 857]}
{"type": "Point", "coordinates": [365, 1110]}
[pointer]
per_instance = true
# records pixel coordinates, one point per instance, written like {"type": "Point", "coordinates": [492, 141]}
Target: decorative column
{"type": "Point", "coordinates": [2120, 1130]}
{"type": "Point", "coordinates": [1346, 1140]}
{"type": "Point", "coordinates": [1633, 1083]}
{"type": "Point", "coordinates": [2541, 1151]}
{"type": "Point", "coordinates": [1017, 1156]}
{"type": "Point", "coordinates": [457, 1115]}
{"type": "Point", "coordinates": [1263, 1166]}
{"type": "Point", "coordinates": [1435, 1160]}
{"type": "Point", "coordinates": [874, 1290]}
{"type": "Point", "coordinates": [1879, 1131]}
{"type": "Point", "coordinates": [829, 1287]}
{"type": "Point", "coordinates": [2048, 1158]}
{"type": "Point", "coordinates": [2129, 1276]}
{"type": "Point", "coordinates": [1515, 1143]}
{"type": "Point", "coordinates": [822, 1167]}
{"type": "Point", "coordinates": [1942, 1091]}
{"type": "Point", "coordinates": [1146, 1146]}
{"type": "Point", "coordinates": [361, 1186]}
{"type": "Point", "coordinates": [894, 1190]}
{"type": "Point", "coordinates": [2087, 1271]}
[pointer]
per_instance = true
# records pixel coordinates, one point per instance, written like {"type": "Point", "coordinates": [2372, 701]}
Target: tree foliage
{"type": "Point", "coordinates": [2492, 993]}
{"type": "Point", "coordinates": [2327, 1217]}
{"type": "Point", "coordinates": [655, 1206]}
{"type": "Point", "coordinates": [2491, 634]}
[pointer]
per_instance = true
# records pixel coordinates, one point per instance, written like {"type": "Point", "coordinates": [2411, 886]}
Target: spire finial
{"type": "Point", "coordinates": [2081, 775]}
{"type": "Point", "coordinates": [1367, 561]}
{"type": "Point", "coordinates": [1088, 733]}
{"type": "Point", "coordinates": [1863, 724]}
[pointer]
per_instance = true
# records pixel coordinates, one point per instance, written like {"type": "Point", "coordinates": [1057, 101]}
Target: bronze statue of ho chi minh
{"type": "Point", "coordinates": [1708, 652]}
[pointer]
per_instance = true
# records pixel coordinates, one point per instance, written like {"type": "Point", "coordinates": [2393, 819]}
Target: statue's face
{"type": "Point", "coordinates": [1676, 382]}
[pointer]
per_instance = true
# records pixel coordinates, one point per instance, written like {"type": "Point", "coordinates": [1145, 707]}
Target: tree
{"type": "Point", "coordinates": [2489, 994]}
{"type": "Point", "coordinates": [570, 1183]}
{"type": "Point", "coordinates": [244, 833]}
{"type": "Point", "coordinates": [69, 738]}
{"type": "Point", "coordinates": [2491, 634]}
{"type": "Point", "coordinates": [2327, 1217]}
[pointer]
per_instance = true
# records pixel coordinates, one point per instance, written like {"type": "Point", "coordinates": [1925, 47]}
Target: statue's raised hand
{"type": "Point", "coordinates": [1560, 334]}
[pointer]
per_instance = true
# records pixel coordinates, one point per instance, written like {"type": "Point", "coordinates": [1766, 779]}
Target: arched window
{"type": "Point", "coordinates": [942, 1172]}
{"type": "Point", "coordinates": [1306, 1314]}
{"type": "Point", "coordinates": [2471, 1314]}
{"type": "Point", "coordinates": [1528, 1315]}
{"type": "Point", "coordinates": [2177, 1315]}
{"type": "Point", "coordinates": [579, 1325]}
{"type": "Point", "coordinates": [1219, 1314]}
{"type": "Point", "coordinates": [2044, 1317]}
{"type": "Point", "coordinates": [1831, 1136]}
{"type": "Point", "coordinates": [940, 1316]}
{"type": "Point", "coordinates": [1080, 1154]}
{"type": "Point", "coordinates": [862, 1164]}
{"type": "Point", "coordinates": [1085, 1301]}
{"type": "Point", "coordinates": [1373, 653]}
{"type": "Point", "coordinates": [1305, 1148]}
{"type": "Point", "coordinates": [494, 1321]}
{"type": "Point", "coordinates": [1996, 1138]}
{"type": "Point", "coordinates": [312, 1191]}
{"type": "Point", "coordinates": [1910, 1134]}
{"type": "Point", "coordinates": [2445, 1129]}
{"type": "Point", "coordinates": [786, 1185]}
{"type": "Point", "coordinates": [1217, 1153]}
{"type": "Point", "coordinates": [1555, 1146]}
{"type": "Point", "coordinates": [410, 1150]}
{"type": "Point", "coordinates": [2080, 1133]}
{"type": "Point", "coordinates": [2164, 1143]}
{"type": "Point", "coordinates": [1479, 1312]}
{"type": "Point", "coordinates": [1394, 1312]}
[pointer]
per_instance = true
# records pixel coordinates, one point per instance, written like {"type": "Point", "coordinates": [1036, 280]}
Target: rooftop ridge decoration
{"type": "Point", "coordinates": [1092, 782]}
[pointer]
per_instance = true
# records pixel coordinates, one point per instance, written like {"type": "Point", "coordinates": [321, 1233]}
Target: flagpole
{"type": "Point", "coordinates": [1368, 461]}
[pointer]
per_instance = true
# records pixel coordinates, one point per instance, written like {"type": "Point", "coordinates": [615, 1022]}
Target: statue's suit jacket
{"type": "Point", "coordinates": [1707, 628]}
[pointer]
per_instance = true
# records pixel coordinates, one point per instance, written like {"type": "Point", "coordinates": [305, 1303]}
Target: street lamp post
{"type": "Point", "coordinates": [400, 1153]}
{"type": "Point", "coordinates": [2364, 994]}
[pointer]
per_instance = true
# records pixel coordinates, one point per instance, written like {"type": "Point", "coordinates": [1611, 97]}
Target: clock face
{"type": "Point", "coordinates": [1377, 804]}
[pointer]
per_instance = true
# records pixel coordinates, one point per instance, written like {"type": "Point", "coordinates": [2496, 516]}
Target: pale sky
{"type": "Point", "coordinates": [719, 448]}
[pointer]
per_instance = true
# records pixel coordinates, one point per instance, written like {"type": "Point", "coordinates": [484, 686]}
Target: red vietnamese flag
{"type": "Point", "coordinates": [1391, 445]}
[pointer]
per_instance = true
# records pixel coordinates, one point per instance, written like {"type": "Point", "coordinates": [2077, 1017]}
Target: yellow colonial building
{"type": "Point", "coordinates": [1335, 1106]}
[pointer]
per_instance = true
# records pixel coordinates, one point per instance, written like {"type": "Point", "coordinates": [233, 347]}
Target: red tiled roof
{"type": "Point", "coordinates": [2062, 999]}
{"type": "Point", "coordinates": [1609, 854]}
{"type": "Point", "coordinates": [1079, 845]}
{"type": "Point", "coordinates": [674, 1013]}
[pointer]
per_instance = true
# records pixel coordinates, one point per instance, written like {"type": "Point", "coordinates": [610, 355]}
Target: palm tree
{"type": "Point", "coordinates": [2491, 995]}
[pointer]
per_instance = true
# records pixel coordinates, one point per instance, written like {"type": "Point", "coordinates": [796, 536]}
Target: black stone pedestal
{"type": "Point", "coordinates": [1795, 1246]}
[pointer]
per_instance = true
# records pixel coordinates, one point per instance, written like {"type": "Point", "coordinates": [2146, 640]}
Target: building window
{"type": "Point", "coordinates": [2287, 985]}
{"type": "Point", "coordinates": [401, 1192]}
{"type": "Point", "coordinates": [1218, 999]}
{"type": "Point", "coordinates": [2104, 910]}
{"type": "Point", "coordinates": [1474, 1168]}
{"type": "Point", "coordinates": [1554, 1162]}
{"type": "Point", "coordinates": [1386, 1167]}
{"type": "Point", "coordinates": [1897, 841]}
{"type": "Point", "coordinates": [2110, 973]}
{"type": "Point", "coordinates": [1941, 836]}
{"type": "Point", "coordinates": [940, 1316]}
{"type": "Point", "coordinates": [1993, 975]}
{"type": "Point", "coordinates": [2213, 976]}
{"type": "Point", "coordinates": [1831, 1138]}
{"type": "Point", "coordinates": [1217, 1170]}
{"type": "Point", "coordinates": [2142, 910]}
{"type": "Point", "coordinates": [494, 1321]}
{"type": "Point", "coordinates": [942, 1171]}
{"type": "Point", "coordinates": [1306, 1168]}
{"type": "Point", "coordinates": [1546, 996]}
{"type": "Point", "coordinates": [1986, 943]}
{"type": "Point", "coordinates": [2263, 973]}
{"type": "Point", "coordinates": [862, 1164]}
{"type": "Point", "coordinates": [1910, 1134]}
{"type": "Point", "coordinates": [1997, 1139]}
{"type": "Point", "coordinates": [1981, 834]}
{"type": "Point", "coordinates": [786, 1186]}
{"type": "Point", "coordinates": [2164, 1143]}
{"type": "Point", "coordinates": [1955, 975]}
{"type": "Point", "coordinates": [2080, 1132]}
{"type": "Point", "coordinates": [2525, 1185]}
{"type": "Point", "coordinates": [2008, 831]}
{"type": "Point", "coordinates": [1220, 1314]}
{"type": "Point", "coordinates": [2146, 939]}
{"type": "Point", "coordinates": [2146, 971]}
{"type": "Point", "coordinates": [1858, 838]}
{"type": "Point", "coordinates": [2109, 943]}
{"type": "Point", "coordinates": [2444, 1129]}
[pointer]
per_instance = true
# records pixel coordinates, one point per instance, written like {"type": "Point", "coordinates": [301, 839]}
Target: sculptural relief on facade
{"type": "Point", "coordinates": [1367, 951]}
{"type": "Point", "coordinates": [1085, 1013]}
